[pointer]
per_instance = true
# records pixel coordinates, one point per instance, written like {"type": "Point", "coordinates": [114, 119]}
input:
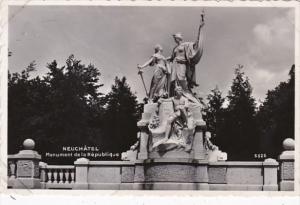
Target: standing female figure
{"type": "Point", "coordinates": [184, 58]}
{"type": "Point", "coordinates": [159, 82]}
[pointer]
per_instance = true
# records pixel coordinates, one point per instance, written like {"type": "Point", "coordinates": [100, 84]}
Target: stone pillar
{"type": "Point", "coordinates": [270, 175]}
{"type": "Point", "coordinates": [81, 173]}
{"type": "Point", "coordinates": [27, 163]}
{"type": "Point", "coordinates": [198, 144]}
{"type": "Point", "coordinates": [143, 151]}
{"type": "Point", "coordinates": [286, 160]}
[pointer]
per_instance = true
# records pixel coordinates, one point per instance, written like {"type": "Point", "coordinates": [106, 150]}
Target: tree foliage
{"type": "Point", "coordinates": [276, 116]}
{"type": "Point", "coordinates": [235, 125]}
{"type": "Point", "coordinates": [55, 111]}
{"type": "Point", "coordinates": [241, 133]}
{"type": "Point", "coordinates": [241, 129]}
{"type": "Point", "coordinates": [214, 113]}
{"type": "Point", "coordinates": [120, 117]}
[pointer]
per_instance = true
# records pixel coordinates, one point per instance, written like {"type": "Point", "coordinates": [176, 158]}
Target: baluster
{"type": "Point", "coordinates": [61, 172]}
{"type": "Point", "coordinates": [12, 167]}
{"type": "Point", "coordinates": [67, 176]}
{"type": "Point", "coordinates": [55, 180]}
{"type": "Point", "coordinates": [49, 173]}
{"type": "Point", "coordinates": [72, 176]}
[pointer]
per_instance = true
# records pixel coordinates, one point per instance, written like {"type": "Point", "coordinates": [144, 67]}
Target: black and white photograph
{"type": "Point", "coordinates": [165, 97]}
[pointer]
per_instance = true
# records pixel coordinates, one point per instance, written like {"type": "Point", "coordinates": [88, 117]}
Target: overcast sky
{"type": "Point", "coordinates": [116, 39]}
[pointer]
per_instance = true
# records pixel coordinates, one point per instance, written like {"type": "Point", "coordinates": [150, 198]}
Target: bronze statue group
{"type": "Point", "coordinates": [173, 79]}
{"type": "Point", "coordinates": [178, 70]}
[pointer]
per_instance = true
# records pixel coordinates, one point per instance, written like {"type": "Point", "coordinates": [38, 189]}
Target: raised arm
{"type": "Point", "coordinates": [199, 40]}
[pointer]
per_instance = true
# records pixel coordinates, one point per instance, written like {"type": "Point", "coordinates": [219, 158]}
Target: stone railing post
{"type": "Point", "coordinates": [43, 174]}
{"type": "Point", "coordinates": [27, 164]}
{"type": "Point", "coordinates": [270, 167]}
{"type": "Point", "coordinates": [81, 173]}
{"type": "Point", "coordinates": [286, 160]}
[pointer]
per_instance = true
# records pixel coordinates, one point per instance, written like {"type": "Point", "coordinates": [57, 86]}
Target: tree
{"type": "Point", "coordinates": [120, 118]}
{"type": "Point", "coordinates": [61, 109]}
{"type": "Point", "coordinates": [26, 98]}
{"type": "Point", "coordinates": [214, 113]}
{"type": "Point", "coordinates": [73, 98]}
{"type": "Point", "coordinates": [239, 134]}
{"type": "Point", "coordinates": [276, 116]}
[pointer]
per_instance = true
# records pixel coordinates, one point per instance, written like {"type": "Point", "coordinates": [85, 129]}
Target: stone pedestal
{"type": "Point", "coordinates": [194, 150]}
{"type": "Point", "coordinates": [287, 169]}
{"type": "Point", "coordinates": [172, 166]}
{"type": "Point", "coordinates": [27, 167]}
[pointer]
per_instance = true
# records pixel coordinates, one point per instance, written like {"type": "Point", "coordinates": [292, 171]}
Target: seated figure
{"type": "Point", "coordinates": [180, 115]}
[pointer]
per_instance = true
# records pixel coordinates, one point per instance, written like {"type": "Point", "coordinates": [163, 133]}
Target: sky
{"type": "Point", "coordinates": [116, 39]}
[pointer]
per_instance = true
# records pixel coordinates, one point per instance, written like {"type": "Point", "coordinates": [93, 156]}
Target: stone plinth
{"type": "Point", "coordinates": [27, 167]}
{"type": "Point", "coordinates": [287, 169]}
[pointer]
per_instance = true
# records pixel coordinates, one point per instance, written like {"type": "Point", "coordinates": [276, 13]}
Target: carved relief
{"type": "Point", "coordinates": [25, 168]}
{"type": "Point", "coordinates": [287, 170]}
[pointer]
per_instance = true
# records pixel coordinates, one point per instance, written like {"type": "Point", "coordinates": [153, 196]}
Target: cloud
{"type": "Point", "coordinates": [263, 33]}
{"type": "Point", "coordinates": [276, 30]}
{"type": "Point", "coordinates": [271, 52]}
{"type": "Point", "coordinates": [273, 41]}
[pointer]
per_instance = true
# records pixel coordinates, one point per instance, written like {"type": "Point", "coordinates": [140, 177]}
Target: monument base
{"type": "Point", "coordinates": [171, 174]}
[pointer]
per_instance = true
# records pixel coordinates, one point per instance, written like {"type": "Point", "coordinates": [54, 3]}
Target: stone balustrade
{"type": "Point", "coordinates": [57, 176]}
{"type": "Point", "coordinates": [26, 171]}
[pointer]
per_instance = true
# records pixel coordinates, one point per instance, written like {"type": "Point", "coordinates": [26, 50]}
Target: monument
{"type": "Point", "coordinates": [172, 150]}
